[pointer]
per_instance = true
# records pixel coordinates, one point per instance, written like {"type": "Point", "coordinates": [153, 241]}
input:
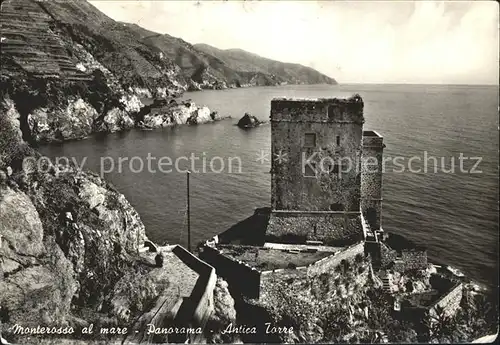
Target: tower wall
{"type": "Point", "coordinates": [371, 178]}
{"type": "Point", "coordinates": [316, 169]}
{"type": "Point", "coordinates": [337, 126]}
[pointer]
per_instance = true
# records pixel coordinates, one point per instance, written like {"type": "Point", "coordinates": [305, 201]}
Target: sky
{"type": "Point", "coordinates": [421, 42]}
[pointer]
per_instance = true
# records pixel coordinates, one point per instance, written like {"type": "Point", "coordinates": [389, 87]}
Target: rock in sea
{"type": "Point", "coordinates": [248, 121]}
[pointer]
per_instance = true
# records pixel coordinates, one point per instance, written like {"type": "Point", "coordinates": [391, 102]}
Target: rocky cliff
{"type": "Point", "coordinates": [69, 244]}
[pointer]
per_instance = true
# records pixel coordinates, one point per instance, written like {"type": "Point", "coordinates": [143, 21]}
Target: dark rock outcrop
{"type": "Point", "coordinates": [249, 121]}
{"type": "Point", "coordinates": [224, 313]}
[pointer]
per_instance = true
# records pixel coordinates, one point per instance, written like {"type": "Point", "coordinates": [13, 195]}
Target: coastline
{"type": "Point", "coordinates": [88, 195]}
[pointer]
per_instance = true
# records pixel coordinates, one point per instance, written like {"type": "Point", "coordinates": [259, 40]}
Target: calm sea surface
{"type": "Point", "coordinates": [454, 214]}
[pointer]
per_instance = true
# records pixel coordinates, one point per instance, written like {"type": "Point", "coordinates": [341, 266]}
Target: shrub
{"type": "Point", "coordinates": [10, 147]}
{"type": "Point", "coordinates": [346, 265]}
{"type": "Point", "coordinates": [358, 258]}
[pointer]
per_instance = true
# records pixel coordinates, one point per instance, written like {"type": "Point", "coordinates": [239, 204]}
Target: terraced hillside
{"type": "Point", "coordinates": [29, 45]}
{"type": "Point", "coordinates": [252, 64]}
{"type": "Point", "coordinates": [69, 70]}
{"type": "Point", "coordinates": [55, 38]}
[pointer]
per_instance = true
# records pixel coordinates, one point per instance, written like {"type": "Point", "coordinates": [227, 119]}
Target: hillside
{"type": "Point", "coordinates": [50, 39]}
{"type": "Point", "coordinates": [70, 71]}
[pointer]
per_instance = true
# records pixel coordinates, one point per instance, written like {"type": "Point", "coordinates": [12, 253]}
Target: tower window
{"type": "Point", "coordinates": [335, 169]}
{"type": "Point", "coordinates": [338, 140]}
{"type": "Point", "coordinates": [310, 171]}
{"type": "Point", "coordinates": [310, 140]}
{"type": "Point", "coordinates": [336, 207]}
{"type": "Point", "coordinates": [333, 113]}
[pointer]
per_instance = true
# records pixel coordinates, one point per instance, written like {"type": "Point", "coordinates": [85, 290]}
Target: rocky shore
{"type": "Point", "coordinates": [68, 77]}
{"type": "Point", "coordinates": [52, 110]}
{"type": "Point", "coordinates": [169, 113]}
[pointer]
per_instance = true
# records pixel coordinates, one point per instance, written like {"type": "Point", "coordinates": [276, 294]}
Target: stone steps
{"type": "Point", "coordinates": [385, 284]}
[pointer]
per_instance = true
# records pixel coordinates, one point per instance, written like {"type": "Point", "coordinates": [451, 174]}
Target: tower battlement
{"type": "Point", "coordinates": [340, 110]}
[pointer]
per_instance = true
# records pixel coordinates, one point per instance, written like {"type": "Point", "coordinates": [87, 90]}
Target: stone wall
{"type": "Point", "coordinates": [337, 128]}
{"type": "Point", "coordinates": [334, 228]}
{"type": "Point", "coordinates": [250, 282]}
{"type": "Point", "coordinates": [371, 178]}
{"type": "Point", "coordinates": [270, 278]}
{"type": "Point", "coordinates": [330, 262]}
{"type": "Point", "coordinates": [450, 302]}
{"type": "Point", "coordinates": [196, 310]}
{"type": "Point", "coordinates": [241, 277]}
{"type": "Point", "coordinates": [325, 265]}
{"type": "Point", "coordinates": [411, 260]}
{"type": "Point", "coordinates": [387, 255]}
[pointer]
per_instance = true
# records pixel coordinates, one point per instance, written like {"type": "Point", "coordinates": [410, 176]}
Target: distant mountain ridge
{"type": "Point", "coordinates": [206, 66]}
{"type": "Point", "coordinates": [241, 60]}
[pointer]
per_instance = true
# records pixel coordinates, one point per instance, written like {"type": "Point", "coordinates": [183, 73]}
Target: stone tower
{"type": "Point", "coordinates": [371, 178]}
{"type": "Point", "coordinates": [315, 172]}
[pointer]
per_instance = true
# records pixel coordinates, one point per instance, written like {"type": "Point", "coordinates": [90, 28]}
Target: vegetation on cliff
{"type": "Point", "coordinates": [223, 314]}
{"type": "Point", "coordinates": [71, 71]}
{"type": "Point", "coordinates": [347, 305]}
